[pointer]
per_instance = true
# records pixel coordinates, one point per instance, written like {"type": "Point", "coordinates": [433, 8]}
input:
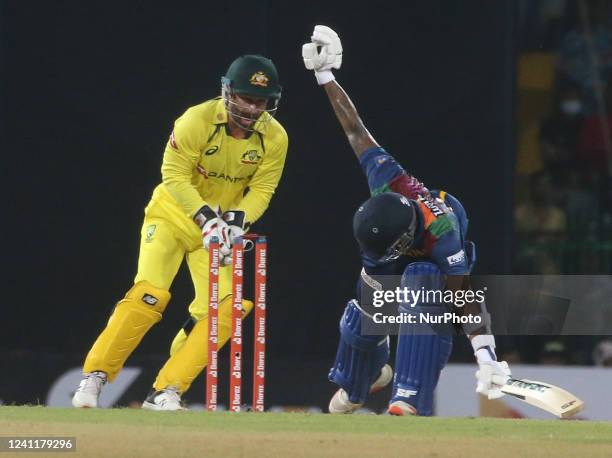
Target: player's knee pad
{"type": "Point", "coordinates": [133, 316]}
{"type": "Point", "coordinates": [189, 350]}
{"type": "Point", "coordinates": [422, 352]}
{"type": "Point", "coordinates": [359, 358]}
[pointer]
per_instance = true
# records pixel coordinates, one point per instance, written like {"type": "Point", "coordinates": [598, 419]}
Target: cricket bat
{"type": "Point", "coordinates": [542, 395]}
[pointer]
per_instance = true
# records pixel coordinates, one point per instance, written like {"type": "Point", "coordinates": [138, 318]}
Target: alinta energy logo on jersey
{"type": "Point", "coordinates": [251, 157]}
{"type": "Point", "coordinates": [259, 79]}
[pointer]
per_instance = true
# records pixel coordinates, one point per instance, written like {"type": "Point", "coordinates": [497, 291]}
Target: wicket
{"type": "Point", "coordinates": [259, 341]}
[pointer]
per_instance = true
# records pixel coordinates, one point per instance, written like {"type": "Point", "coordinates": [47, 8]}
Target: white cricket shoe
{"type": "Point", "coordinates": [401, 409]}
{"type": "Point", "coordinates": [167, 399]}
{"type": "Point", "coordinates": [340, 400]}
{"type": "Point", "coordinates": [88, 393]}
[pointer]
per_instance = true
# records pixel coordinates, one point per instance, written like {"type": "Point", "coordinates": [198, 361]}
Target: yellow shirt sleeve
{"type": "Point", "coordinates": [180, 159]}
{"type": "Point", "coordinates": [266, 178]}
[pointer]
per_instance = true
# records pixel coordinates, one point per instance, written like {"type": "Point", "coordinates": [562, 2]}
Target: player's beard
{"type": "Point", "coordinates": [243, 119]}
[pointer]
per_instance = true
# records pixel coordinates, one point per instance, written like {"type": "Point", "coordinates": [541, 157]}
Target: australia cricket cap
{"type": "Point", "coordinates": [253, 75]}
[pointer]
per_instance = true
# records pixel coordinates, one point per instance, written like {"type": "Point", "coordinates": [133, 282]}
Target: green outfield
{"type": "Point", "coordinates": [133, 432]}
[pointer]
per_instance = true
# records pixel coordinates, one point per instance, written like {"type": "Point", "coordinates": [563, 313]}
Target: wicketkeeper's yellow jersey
{"type": "Point", "coordinates": [203, 165]}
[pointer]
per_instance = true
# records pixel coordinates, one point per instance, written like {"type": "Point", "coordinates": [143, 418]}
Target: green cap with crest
{"type": "Point", "coordinates": [253, 75]}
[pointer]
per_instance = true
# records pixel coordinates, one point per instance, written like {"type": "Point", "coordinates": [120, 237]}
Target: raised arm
{"type": "Point", "coordinates": [356, 132]}
{"type": "Point", "coordinates": [321, 55]}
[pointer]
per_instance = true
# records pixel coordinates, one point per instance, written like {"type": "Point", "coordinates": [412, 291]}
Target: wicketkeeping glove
{"type": "Point", "coordinates": [237, 226]}
{"type": "Point", "coordinates": [235, 219]}
{"type": "Point", "coordinates": [212, 225]}
{"type": "Point", "coordinates": [323, 53]}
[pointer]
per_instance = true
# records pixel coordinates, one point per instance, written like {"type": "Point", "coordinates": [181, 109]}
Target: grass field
{"type": "Point", "coordinates": [133, 432]}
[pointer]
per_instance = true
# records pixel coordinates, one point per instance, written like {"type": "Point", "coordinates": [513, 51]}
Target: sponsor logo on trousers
{"type": "Point", "coordinates": [404, 393]}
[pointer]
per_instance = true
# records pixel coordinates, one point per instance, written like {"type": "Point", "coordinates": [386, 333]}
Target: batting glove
{"type": "Point", "coordinates": [490, 378]}
{"type": "Point", "coordinates": [492, 374]}
{"type": "Point", "coordinates": [323, 53]}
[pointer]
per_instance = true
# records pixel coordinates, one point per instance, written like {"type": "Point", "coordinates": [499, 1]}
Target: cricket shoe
{"type": "Point", "coordinates": [340, 401]}
{"type": "Point", "coordinates": [88, 393]}
{"type": "Point", "coordinates": [167, 399]}
{"type": "Point", "coordinates": [401, 409]}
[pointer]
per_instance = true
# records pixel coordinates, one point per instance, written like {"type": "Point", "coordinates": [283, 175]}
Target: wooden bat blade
{"type": "Point", "coordinates": [544, 396]}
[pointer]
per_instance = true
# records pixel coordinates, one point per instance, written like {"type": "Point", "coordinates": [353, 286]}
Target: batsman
{"type": "Point", "coordinates": [404, 229]}
{"type": "Point", "coordinates": [220, 168]}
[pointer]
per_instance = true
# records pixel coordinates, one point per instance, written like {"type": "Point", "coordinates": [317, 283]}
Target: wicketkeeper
{"type": "Point", "coordinates": [403, 229]}
{"type": "Point", "coordinates": [221, 165]}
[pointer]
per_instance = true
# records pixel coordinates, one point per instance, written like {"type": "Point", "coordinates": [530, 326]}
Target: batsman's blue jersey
{"type": "Point", "coordinates": [443, 226]}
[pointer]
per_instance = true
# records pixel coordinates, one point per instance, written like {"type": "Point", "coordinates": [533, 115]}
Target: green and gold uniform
{"type": "Point", "coordinates": [202, 165]}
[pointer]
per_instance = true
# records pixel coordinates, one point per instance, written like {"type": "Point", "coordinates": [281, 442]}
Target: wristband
{"type": "Point", "coordinates": [484, 347]}
{"type": "Point", "coordinates": [482, 340]}
{"type": "Point", "coordinates": [324, 77]}
{"type": "Point", "coordinates": [485, 354]}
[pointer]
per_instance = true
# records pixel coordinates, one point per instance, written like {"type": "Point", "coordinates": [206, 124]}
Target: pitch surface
{"type": "Point", "coordinates": [133, 432]}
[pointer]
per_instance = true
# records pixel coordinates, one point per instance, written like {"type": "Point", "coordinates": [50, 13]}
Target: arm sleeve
{"type": "Point", "coordinates": [264, 182]}
{"type": "Point", "coordinates": [385, 174]}
{"type": "Point", "coordinates": [449, 254]}
{"type": "Point", "coordinates": [180, 159]}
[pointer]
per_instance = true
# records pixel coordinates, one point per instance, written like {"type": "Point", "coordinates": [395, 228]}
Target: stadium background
{"type": "Point", "coordinates": [90, 92]}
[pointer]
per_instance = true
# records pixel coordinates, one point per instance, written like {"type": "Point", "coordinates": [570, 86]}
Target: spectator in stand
{"type": "Point", "coordinates": [595, 155]}
{"type": "Point", "coordinates": [595, 141]}
{"type": "Point", "coordinates": [539, 221]}
{"type": "Point", "coordinates": [540, 217]}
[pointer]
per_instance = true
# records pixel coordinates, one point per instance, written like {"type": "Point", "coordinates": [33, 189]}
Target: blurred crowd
{"type": "Point", "coordinates": [563, 211]}
{"type": "Point", "coordinates": [563, 201]}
